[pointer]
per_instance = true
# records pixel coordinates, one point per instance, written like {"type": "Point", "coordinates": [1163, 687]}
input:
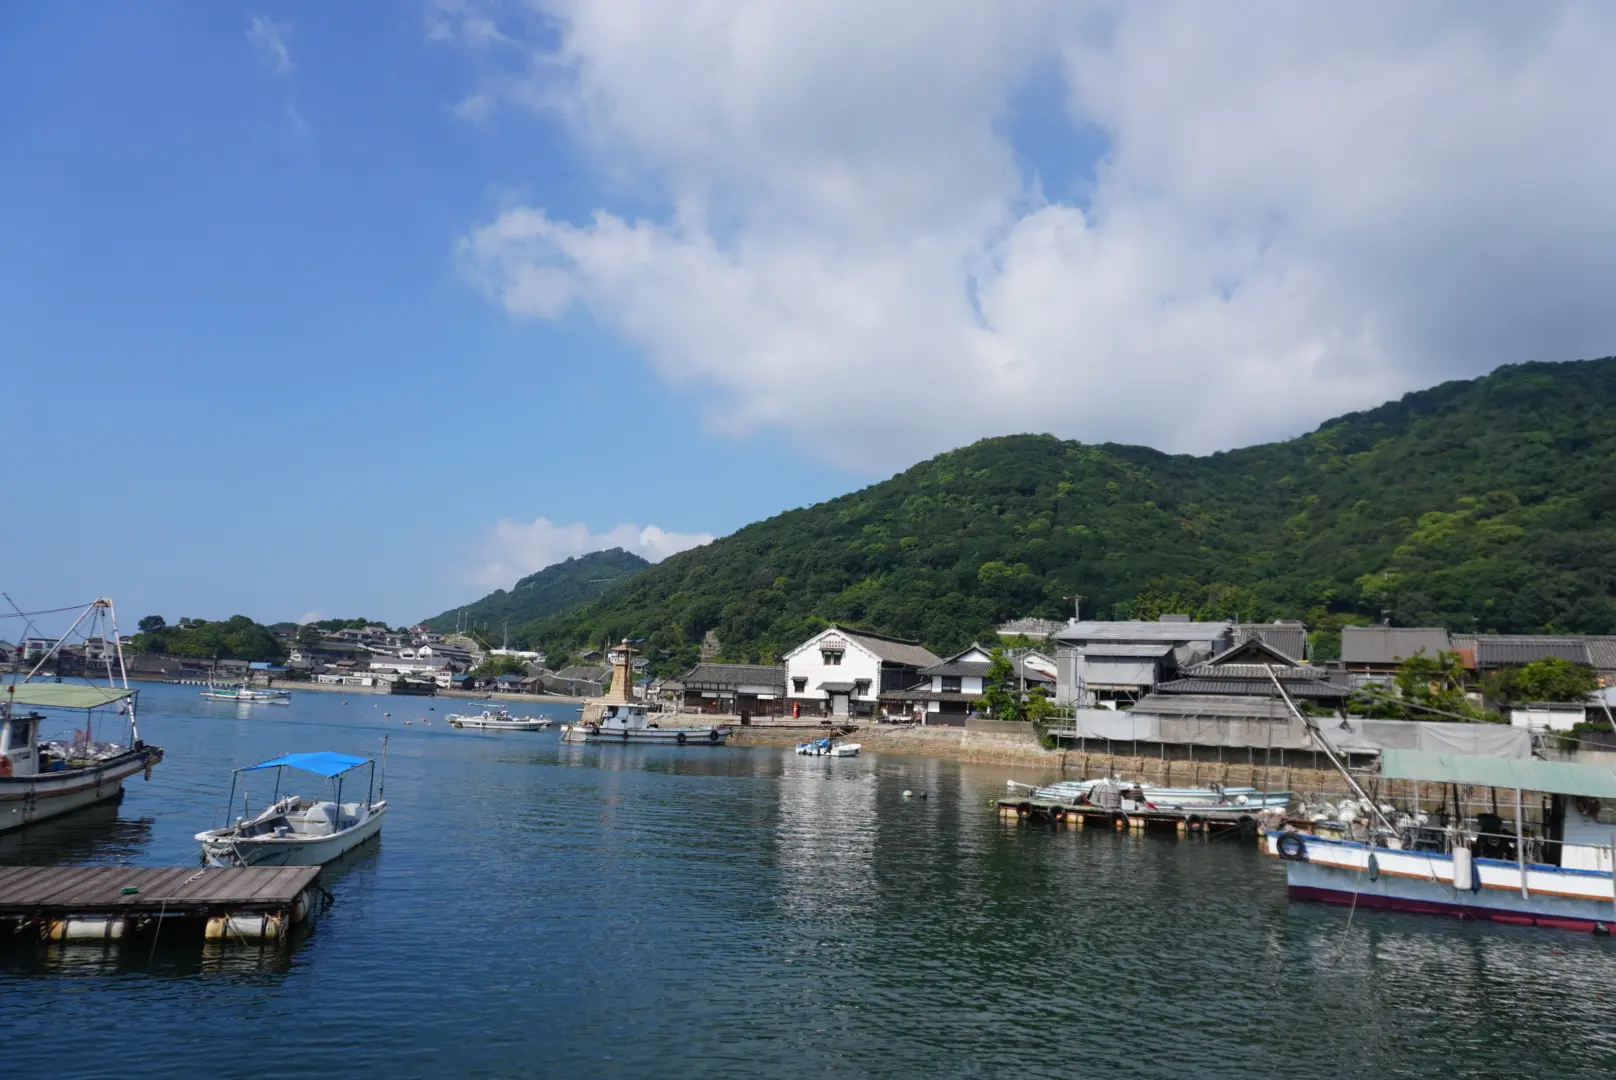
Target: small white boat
{"type": "Point", "coordinates": [499, 718]}
{"type": "Point", "coordinates": [829, 747]}
{"type": "Point", "coordinates": [247, 695]}
{"type": "Point", "coordinates": [295, 831]}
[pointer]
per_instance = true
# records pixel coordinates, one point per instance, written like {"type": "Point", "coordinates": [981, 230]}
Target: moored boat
{"type": "Point", "coordinates": [499, 718]}
{"type": "Point", "coordinates": [43, 779]}
{"type": "Point", "coordinates": [620, 718]}
{"type": "Point", "coordinates": [829, 747]}
{"type": "Point", "coordinates": [247, 695]}
{"type": "Point", "coordinates": [297, 831]}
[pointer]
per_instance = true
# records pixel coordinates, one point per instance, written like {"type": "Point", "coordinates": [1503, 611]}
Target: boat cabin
{"type": "Point", "coordinates": [19, 744]}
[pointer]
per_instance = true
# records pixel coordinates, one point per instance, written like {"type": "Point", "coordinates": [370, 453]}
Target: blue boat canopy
{"type": "Point", "coordinates": [321, 763]}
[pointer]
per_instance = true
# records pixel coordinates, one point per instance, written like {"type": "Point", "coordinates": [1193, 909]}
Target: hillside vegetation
{"type": "Point", "coordinates": [538, 596]}
{"type": "Point", "coordinates": [1484, 505]}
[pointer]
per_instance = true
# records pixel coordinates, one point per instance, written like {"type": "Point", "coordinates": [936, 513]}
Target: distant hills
{"type": "Point", "coordinates": [553, 590]}
{"type": "Point", "coordinates": [1482, 505]}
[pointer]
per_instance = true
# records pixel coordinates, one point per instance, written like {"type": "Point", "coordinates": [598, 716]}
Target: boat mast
{"type": "Point", "coordinates": [1329, 750]}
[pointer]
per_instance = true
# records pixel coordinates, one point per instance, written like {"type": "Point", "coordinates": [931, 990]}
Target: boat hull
{"type": "Point", "coordinates": [661, 736]}
{"type": "Point", "coordinates": [291, 851]}
{"type": "Point", "coordinates": [1338, 872]}
{"type": "Point", "coordinates": [26, 799]}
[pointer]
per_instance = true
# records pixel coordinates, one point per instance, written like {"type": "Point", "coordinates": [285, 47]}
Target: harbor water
{"type": "Point", "coordinates": [540, 909]}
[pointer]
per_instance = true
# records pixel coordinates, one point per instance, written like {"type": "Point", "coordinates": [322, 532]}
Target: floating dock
{"type": "Point", "coordinates": [110, 903]}
{"type": "Point", "coordinates": [1196, 820]}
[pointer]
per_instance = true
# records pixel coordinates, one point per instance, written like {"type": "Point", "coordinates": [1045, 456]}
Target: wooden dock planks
{"type": "Point", "coordinates": [26, 890]}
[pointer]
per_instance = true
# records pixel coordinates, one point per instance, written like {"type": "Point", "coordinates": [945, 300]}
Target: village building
{"type": "Point", "coordinates": [1243, 670]}
{"type": "Point", "coordinates": [1289, 636]}
{"type": "Point", "coordinates": [1108, 663]}
{"type": "Point", "coordinates": [735, 689]}
{"type": "Point", "coordinates": [843, 672]}
{"type": "Point", "coordinates": [951, 691]}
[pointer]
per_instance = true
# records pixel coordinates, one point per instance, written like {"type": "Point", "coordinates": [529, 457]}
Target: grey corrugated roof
{"type": "Point", "coordinates": [1137, 630]}
{"type": "Point", "coordinates": [1391, 644]}
{"type": "Point", "coordinates": [1104, 648]}
{"type": "Point", "coordinates": [1214, 705]}
{"type": "Point", "coordinates": [837, 687]}
{"type": "Point", "coordinates": [711, 675]}
{"type": "Point", "coordinates": [1254, 687]}
{"type": "Point", "coordinates": [1288, 638]}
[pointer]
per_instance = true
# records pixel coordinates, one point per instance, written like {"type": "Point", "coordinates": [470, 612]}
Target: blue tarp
{"type": "Point", "coordinates": [321, 763]}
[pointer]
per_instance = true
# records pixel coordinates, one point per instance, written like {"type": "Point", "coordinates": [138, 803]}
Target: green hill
{"type": "Point", "coordinates": [1481, 505]}
{"type": "Point", "coordinates": [554, 589]}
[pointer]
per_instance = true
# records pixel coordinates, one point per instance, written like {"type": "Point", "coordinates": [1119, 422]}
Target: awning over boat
{"type": "Point", "coordinates": [321, 763]}
{"type": "Point", "coordinates": [43, 695]}
{"type": "Point", "coordinates": [1554, 777]}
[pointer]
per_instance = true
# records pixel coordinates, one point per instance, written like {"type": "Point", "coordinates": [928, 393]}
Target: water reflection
{"type": "Point", "coordinates": [826, 837]}
{"type": "Point", "coordinates": [95, 834]}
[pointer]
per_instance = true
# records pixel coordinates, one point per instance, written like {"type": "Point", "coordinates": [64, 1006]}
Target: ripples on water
{"type": "Point", "coordinates": [535, 909]}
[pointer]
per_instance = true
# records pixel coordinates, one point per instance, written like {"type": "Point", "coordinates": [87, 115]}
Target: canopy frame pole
{"type": "Point", "coordinates": [54, 649]}
{"type": "Point", "coordinates": [1520, 844]}
{"type": "Point", "coordinates": [1329, 751]}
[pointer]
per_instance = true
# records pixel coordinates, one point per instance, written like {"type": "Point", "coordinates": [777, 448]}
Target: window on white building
{"type": "Point", "coordinates": [799, 683]}
{"type": "Point", "coordinates": [832, 657]}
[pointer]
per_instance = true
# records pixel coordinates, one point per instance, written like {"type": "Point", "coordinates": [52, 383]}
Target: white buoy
{"type": "Point", "coordinates": [908, 794]}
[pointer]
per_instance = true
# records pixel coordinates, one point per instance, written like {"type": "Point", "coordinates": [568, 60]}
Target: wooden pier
{"type": "Point", "coordinates": [110, 903]}
{"type": "Point", "coordinates": [1188, 821]}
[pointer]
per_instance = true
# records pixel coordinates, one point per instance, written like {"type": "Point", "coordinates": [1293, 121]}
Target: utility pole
{"type": "Point", "coordinates": [1077, 607]}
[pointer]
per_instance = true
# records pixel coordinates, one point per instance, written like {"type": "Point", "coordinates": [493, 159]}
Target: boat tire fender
{"type": "Point", "coordinates": [1023, 809]}
{"type": "Point", "coordinates": [1119, 819]}
{"type": "Point", "coordinates": [712, 736]}
{"type": "Point", "coordinates": [1374, 867]}
{"type": "Point", "coordinates": [681, 738]}
{"type": "Point", "coordinates": [1291, 846]}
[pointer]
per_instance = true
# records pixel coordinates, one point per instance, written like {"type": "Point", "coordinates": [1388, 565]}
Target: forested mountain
{"type": "Point", "coordinates": [1483, 505]}
{"type": "Point", "coordinates": [552, 590]}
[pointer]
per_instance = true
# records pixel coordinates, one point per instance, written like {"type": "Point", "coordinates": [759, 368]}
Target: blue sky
{"type": "Point", "coordinates": [245, 374]}
{"type": "Point", "coordinates": [362, 309]}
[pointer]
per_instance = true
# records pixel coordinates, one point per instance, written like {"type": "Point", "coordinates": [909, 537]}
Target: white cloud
{"type": "Point", "coordinates": [1303, 209]}
{"type": "Point", "coordinates": [269, 38]}
{"type": "Point", "coordinates": [514, 549]}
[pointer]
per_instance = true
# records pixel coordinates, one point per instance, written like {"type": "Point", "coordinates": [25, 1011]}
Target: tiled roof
{"type": "Point", "coordinates": [707, 676]}
{"type": "Point", "coordinates": [973, 668]}
{"type": "Point", "coordinates": [1254, 687]}
{"type": "Point", "coordinates": [895, 650]}
{"type": "Point", "coordinates": [1391, 644]}
{"type": "Point", "coordinates": [837, 687]}
{"type": "Point", "coordinates": [1289, 638]}
{"type": "Point", "coordinates": [1504, 650]}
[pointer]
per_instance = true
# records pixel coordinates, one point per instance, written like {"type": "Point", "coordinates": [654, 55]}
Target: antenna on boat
{"type": "Point", "coordinates": [1329, 750]}
{"type": "Point", "coordinates": [381, 788]}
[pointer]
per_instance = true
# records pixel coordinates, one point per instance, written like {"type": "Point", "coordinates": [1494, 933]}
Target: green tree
{"type": "Point", "coordinates": [152, 624]}
{"type": "Point", "coordinates": [999, 694]}
{"type": "Point", "coordinates": [1549, 679]}
{"type": "Point", "coordinates": [1424, 688]}
{"type": "Point", "coordinates": [501, 665]}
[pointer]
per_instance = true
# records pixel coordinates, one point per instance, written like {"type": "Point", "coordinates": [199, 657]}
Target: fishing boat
{"type": "Point", "coordinates": [499, 718]}
{"type": "Point", "coordinates": [619, 718]}
{"type": "Point", "coordinates": [43, 779]}
{"type": "Point", "coordinates": [293, 830]}
{"type": "Point", "coordinates": [1483, 867]}
{"type": "Point", "coordinates": [247, 695]}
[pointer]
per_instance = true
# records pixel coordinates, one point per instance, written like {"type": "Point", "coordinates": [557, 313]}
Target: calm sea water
{"type": "Point", "coordinates": [534, 909]}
